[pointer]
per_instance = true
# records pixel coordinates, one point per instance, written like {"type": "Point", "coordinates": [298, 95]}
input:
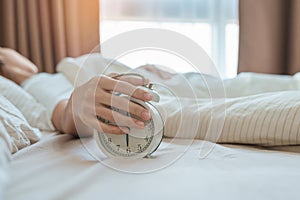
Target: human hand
{"type": "Point", "coordinates": [15, 66]}
{"type": "Point", "coordinates": [94, 99]}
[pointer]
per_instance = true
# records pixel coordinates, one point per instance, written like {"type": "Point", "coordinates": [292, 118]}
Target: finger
{"type": "Point", "coordinates": [122, 104]}
{"type": "Point", "coordinates": [123, 87]}
{"type": "Point", "coordinates": [112, 75]}
{"type": "Point", "coordinates": [132, 79]}
{"type": "Point", "coordinates": [118, 119]}
{"type": "Point", "coordinates": [106, 128]}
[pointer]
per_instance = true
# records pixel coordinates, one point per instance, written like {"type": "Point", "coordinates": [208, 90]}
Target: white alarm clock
{"type": "Point", "coordinates": [139, 143]}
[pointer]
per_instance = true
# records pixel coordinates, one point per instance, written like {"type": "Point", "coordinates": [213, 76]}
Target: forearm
{"type": "Point", "coordinates": [62, 118]}
{"type": "Point", "coordinates": [65, 121]}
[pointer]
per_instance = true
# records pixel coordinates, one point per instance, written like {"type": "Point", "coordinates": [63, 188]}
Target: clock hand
{"type": "Point", "coordinates": [127, 140]}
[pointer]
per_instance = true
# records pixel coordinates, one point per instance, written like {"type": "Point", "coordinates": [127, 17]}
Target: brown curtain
{"type": "Point", "coordinates": [269, 36]}
{"type": "Point", "coordinates": [46, 31]}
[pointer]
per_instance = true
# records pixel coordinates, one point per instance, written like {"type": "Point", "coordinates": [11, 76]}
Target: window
{"type": "Point", "coordinates": [213, 24]}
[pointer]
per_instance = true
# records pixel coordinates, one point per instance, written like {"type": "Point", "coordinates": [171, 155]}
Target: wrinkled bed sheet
{"type": "Point", "coordinates": [60, 167]}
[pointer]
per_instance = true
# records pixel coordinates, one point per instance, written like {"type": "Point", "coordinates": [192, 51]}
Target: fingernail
{"type": "Point", "coordinates": [146, 115]}
{"type": "Point", "coordinates": [148, 96]}
{"type": "Point", "coordinates": [125, 130]}
{"type": "Point", "coordinates": [141, 124]}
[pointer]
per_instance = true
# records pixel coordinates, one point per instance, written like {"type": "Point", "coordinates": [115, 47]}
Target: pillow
{"type": "Point", "coordinates": [93, 63]}
{"type": "Point", "coordinates": [5, 156]}
{"type": "Point", "coordinates": [269, 119]}
{"type": "Point", "coordinates": [12, 122]}
{"type": "Point", "coordinates": [35, 113]}
{"type": "Point", "coordinates": [15, 132]}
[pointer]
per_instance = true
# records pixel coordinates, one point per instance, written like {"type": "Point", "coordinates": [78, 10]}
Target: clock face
{"type": "Point", "coordinates": [138, 143]}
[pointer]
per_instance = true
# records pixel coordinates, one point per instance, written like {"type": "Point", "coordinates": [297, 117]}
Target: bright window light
{"type": "Point", "coordinates": [198, 32]}
{"type": "Point", "coordinates": [232, 42]}
{"type": "Point", "coordinates": [212, 24]}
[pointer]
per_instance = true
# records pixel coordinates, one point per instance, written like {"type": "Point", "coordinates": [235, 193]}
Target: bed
{"type": "Point", "coordinates": [48, 165]}
{"type": "Point", "coordinates": [59, 167]}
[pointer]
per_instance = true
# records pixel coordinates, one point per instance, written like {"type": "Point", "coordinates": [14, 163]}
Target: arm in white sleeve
{"type": "Point", "coordinates": [49, 89]}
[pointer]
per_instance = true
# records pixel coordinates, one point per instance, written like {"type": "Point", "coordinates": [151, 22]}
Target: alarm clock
{"type": "Point", "coordinates": [138, 143]}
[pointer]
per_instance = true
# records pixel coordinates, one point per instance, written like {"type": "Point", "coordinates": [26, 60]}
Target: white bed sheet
{"type": "Point", "coordinates": [59, 167]}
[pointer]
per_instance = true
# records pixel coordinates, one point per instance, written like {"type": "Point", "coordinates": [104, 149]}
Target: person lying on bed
{"type": "Point", "coordinates": [22, 71]}
{"type": "Point", "coordinates": [19, 69]}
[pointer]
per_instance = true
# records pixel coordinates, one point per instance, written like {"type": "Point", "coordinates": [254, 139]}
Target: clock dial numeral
{"type": "Point", "coordinates": [139, 147]}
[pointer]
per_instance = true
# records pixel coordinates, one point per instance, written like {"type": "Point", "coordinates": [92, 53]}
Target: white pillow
{"type": "Point", "coordinates": [14, 123]}
{"type": "Point", "coordinates": [90, 64]}
{"type": "Point", "coordinates": [5, 156]}
{"type": "Point", "coordinates": [15, 132]}
{"type": "Point", "coordinates": [35, 113]}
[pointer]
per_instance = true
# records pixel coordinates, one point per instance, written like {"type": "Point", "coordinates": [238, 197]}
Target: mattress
{"type": "Point", "coordinates": [61, 167]}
